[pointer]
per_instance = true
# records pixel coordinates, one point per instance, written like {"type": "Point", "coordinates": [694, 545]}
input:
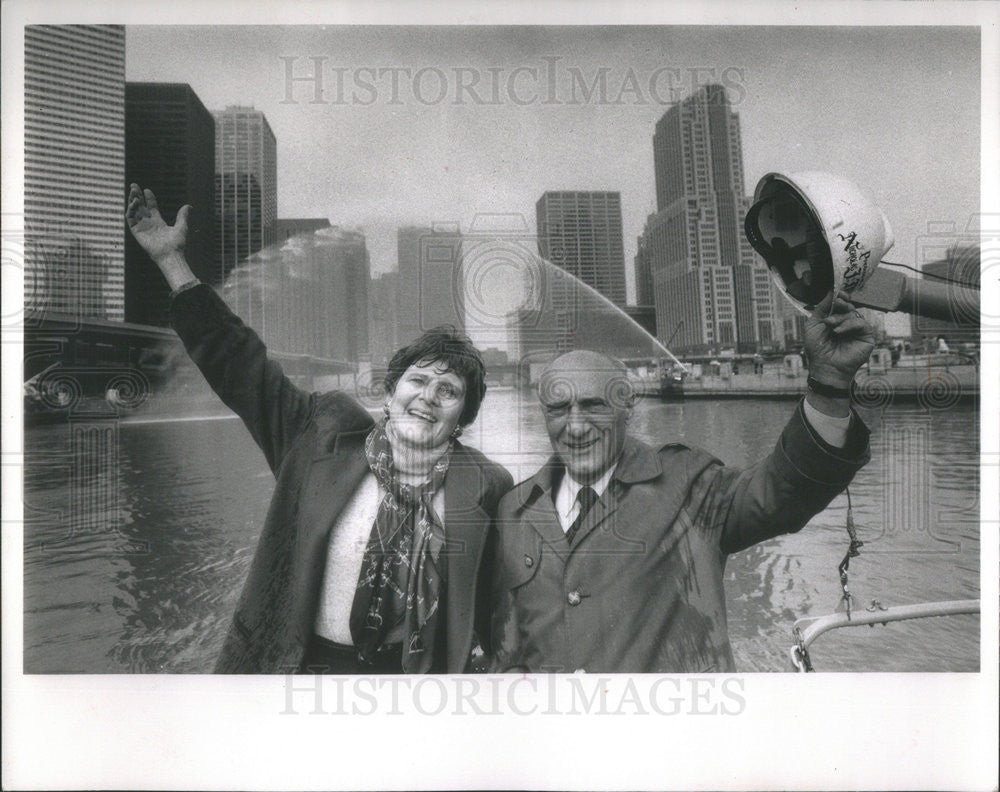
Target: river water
{"type": "Point", "coordinates": [139, 533]}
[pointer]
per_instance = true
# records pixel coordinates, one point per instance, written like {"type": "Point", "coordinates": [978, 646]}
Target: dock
{"type": "Point", "coordinates": [934, 383]}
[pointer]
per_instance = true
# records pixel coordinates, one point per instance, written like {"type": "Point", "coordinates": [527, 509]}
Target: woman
{"type": "Point", "coordinates": [374, 556]}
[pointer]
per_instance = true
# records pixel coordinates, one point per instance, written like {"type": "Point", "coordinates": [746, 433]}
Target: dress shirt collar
{"type": "Point", "coordinates": [638, 462]}
{"type": "Point", "coordinates": [565, 497]}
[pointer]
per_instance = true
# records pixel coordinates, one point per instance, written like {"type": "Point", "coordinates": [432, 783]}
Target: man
{"type": "Point", "coordinates": [612, 555]}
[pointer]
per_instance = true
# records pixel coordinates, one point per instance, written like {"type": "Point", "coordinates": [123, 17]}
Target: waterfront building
{"type": "Point", "coordinates": [581, 232]}
{"type": "Point", "coordinates": [644, 289]}
{"type": "Point", "coordinates": [74, 169]}
{"type": "Point", "coordinates": [644, 316]}
{"type": "Point", "coordinates": [430, 285]}
{"type": "Point", "coordinates": [383, 324]}
{"type": "Point", "coordinates": [313, 293]}
{"type": "Point", "coordinates": [169, 148]}
{"type": "Point", "coordinates": [246, 196]}
{"type": "Point", "coordinates": [710, 289]}
{"type": "Point", "coordinates": [961, 264]}
{"type": "Point", "coordinates": [794, 323]}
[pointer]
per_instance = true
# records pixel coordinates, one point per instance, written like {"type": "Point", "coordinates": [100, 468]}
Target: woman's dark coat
{"type": "Point", "coordinates": [314, 444]}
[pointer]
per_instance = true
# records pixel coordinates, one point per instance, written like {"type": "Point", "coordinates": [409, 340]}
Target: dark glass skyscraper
{"type": "Point", "coordinates": [169, 148]}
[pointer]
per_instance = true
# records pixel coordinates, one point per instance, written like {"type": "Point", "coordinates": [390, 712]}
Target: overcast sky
{"type": "Point", "coordinates": [895, 109]}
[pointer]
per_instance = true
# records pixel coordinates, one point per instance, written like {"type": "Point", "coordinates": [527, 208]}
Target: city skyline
{"type": "Point", "coordinates": [265, 177]}
{"type": "Point", "coordinates": [833, 110]}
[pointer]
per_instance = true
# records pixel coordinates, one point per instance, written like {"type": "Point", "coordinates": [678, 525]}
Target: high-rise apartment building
{"type": "Point", "coordinates": [246, 193]}
{"type": "Point", "coordinates": [169, 148]}
{"type": "Point", "coordinates": [581, 232]}
{"type": "Point", "coordinates": [430, 279]}
{"type": "Point", "coordinates": [74, 169]}
{"type": "Point", "coordinates": [710, 289]}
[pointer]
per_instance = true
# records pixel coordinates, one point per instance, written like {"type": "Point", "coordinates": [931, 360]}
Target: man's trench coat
{"type": "Point", "coordinates": [641, 588]}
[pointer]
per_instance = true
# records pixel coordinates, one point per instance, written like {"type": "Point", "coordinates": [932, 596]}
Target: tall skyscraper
{"type": "Point", "coordinates": [710, 289]}
{"type": "Point", "coordinates": [582, 233]}
{"type": "Point", "coordinates": [430, 279]}
{"type": "Point", "coordinates": [643, 272]}
{"type": "Point", "coordinates": [169, 148]}
{"type": "Point", "coordinates": [246, 192]}
{"type": "Point", "coordinates": [74, 169]}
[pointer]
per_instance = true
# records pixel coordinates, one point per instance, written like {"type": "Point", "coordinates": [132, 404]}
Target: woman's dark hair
{"type": "Point", "coordinates": [449, 347]}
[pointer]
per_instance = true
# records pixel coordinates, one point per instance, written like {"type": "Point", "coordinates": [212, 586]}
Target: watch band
{"type": "Point", "coordinates": [822, 389]}
{"type": "Point", "coordinates": [184, 287]}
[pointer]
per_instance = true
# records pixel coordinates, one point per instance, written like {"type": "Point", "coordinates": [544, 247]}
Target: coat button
{"type": "Point", "coordinates": [529, 561]}
{"type": "Point", "coordinates": [574, 598]}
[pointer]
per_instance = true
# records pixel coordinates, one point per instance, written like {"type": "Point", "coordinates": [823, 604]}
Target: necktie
{"type": "Point", "coordinates": [586, 497]}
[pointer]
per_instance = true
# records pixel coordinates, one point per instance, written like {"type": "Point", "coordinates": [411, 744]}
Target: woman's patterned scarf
{"type": "Point", "coordinates": [402, 572]}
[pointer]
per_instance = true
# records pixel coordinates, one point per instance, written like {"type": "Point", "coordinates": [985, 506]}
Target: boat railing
{"type": "Point", "coordinates": [807, 630]}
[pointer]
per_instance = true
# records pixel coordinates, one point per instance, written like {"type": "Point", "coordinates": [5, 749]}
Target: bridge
{"type": "Point", "coordinates": [94, 352]}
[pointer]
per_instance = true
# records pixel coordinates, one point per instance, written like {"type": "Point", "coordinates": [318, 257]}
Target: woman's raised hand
{"type": "Point", "coordinates": [163, 243]}
{"type": "Point", "coordinates": [158, 239]}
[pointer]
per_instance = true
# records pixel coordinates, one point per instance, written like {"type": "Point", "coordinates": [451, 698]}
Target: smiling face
{"type": "Point", "coordinates": [426, 405]}
{"type": "Point", "coordinates": [586, 399]}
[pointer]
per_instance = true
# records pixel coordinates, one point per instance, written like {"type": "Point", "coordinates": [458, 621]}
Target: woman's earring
{"type": "Point", "coordinates": [385, 409]}
{"type": "Point", "coordinates": [457, 433]}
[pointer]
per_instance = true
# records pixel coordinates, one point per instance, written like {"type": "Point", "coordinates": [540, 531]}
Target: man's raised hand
{"type": "Point", "coordinates": [838, 342]}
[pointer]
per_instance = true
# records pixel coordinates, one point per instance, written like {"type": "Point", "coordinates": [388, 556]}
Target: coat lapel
{"type": "Point", "coordinates": [539, 509]}
{"type": "Point", "coordinates": [637, 463]}
{"type": "Point", "coordinates": [332, 480]}
{"type": "Point", "coordinates": [601, 511]}
{"type": "Point", "coordinates": [466, 526]}
{"type": "Point", "coordinates": [542, 517]}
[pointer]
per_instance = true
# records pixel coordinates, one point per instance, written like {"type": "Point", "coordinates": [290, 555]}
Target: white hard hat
{"type": "Point", "coordinates": [816, 232]}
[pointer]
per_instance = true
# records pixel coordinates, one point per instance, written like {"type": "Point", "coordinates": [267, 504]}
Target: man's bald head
{"type": "Point", "coordinates": [587, 399]}
{"type": "Point", "coordinates": [586, 358]}
{"type": "Point", "coordinates": [586, 370]}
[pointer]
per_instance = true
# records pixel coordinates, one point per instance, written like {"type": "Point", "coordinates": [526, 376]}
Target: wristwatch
{"type": "Point", "coordinates": [822, 389]}
{"type": "Point", "coordinates": [184, 287]}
